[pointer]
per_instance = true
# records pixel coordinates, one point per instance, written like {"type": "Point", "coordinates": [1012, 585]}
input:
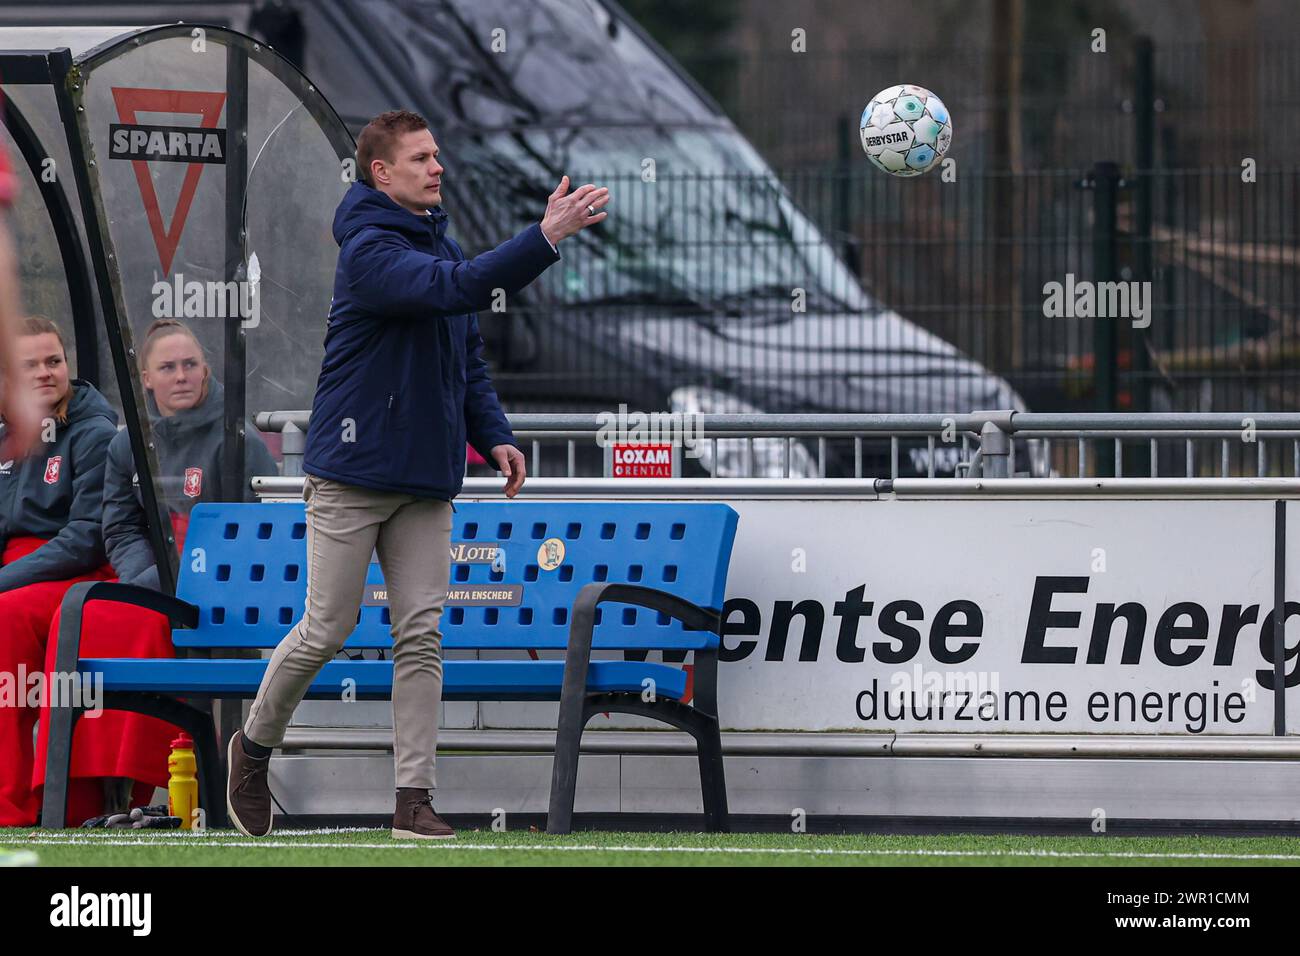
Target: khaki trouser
{"type": "Point", "coordinates": [345, 525]}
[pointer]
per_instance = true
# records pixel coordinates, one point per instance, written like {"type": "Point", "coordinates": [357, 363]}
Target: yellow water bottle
{"type": "Point", "coordinates": [182, 784]}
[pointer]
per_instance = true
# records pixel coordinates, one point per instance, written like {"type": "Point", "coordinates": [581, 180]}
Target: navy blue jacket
{"type": "Point", "coordinates": [404, 384]}
{"type": "Point", "coordinates": [57, 493]}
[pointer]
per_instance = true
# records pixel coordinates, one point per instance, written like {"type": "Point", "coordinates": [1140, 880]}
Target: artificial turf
{"type": "Point", "coordinates": [376, 847]}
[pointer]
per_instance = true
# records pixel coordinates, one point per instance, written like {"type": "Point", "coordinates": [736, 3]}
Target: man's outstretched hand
{"type": "Point", "coordinates": [567, 215]}
{"type": "Point", "coordinates": [510, 462]}
{"type": "Point", "coordinates": [23, 416]}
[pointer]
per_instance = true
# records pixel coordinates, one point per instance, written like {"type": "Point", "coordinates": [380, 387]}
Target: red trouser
{"type": "Point", "coordinates": [114, 744]}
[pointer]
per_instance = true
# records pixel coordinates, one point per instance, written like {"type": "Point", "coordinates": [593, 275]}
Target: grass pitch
{"type": "Point", "coordinates": [376, 847]}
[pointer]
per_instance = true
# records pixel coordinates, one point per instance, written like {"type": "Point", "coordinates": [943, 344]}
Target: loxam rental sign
{"type": "Point", "coordinates": [1102, 616]}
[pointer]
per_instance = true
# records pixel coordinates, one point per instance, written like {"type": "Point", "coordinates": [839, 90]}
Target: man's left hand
{"type": "Point", "coordinates": [510, 462]}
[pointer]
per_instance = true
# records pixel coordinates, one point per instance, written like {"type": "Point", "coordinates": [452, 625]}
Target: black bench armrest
{"type": "Point", "coordinates": [180, 613]}
{"type": "Point", "coordinates": [582, 624]}
{"type": "Point", "coordinates": [591, 595]}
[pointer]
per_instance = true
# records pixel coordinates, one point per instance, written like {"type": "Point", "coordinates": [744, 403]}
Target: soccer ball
{"type": "Point", "coordinates": [905, 130]}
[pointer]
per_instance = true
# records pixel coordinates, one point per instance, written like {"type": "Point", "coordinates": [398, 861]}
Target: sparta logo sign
{"type": "Point", "coordinates": [193, 482]}
{"type": "Point", "coordinates": [53, 466]}
{"type": "Point", "coordinates": [177, 144]}
{"type": "Point", "coordinates": [193, 147]}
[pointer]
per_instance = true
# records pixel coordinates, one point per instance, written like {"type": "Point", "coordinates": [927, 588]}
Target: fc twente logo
{"type": "Point", "coordinates": [193, 482]}
{"type": "Point", "coordinates": [53, 466]}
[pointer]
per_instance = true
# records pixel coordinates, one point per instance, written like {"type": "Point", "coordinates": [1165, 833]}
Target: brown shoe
{"type": "Point", "coordinates": [416, 820]}
{"type": "Point", "coordinates": [248, 796]}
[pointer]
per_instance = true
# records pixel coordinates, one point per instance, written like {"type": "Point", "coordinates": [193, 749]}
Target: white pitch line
{"type": "Point", "coordinates": [110, 833]}
{"type": "Point", "coordinates": [811, 851]}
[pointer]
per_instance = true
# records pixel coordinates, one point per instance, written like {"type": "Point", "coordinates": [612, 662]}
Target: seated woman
{"type": "Point", "coordinates": [186, 414]}
{"type": "Point", "coordinates": [186, 410]}
{"type": "Point", "coordinates": [50, 508]}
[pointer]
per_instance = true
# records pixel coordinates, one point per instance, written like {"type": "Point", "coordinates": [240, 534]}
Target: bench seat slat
{"type": "Point", "coordinates": [501, 638]}
{"type": "Point", "coordinates": [462, 680]}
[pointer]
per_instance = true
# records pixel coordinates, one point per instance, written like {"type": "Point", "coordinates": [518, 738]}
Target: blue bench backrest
{"type": "Point", "coordinates": [244, 566]}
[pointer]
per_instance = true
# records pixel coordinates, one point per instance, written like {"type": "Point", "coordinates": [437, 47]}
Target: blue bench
{"type": "Point", "coordinates": [632, 577]}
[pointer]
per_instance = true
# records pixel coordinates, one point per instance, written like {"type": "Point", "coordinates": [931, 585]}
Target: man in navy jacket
{"type": "Point", "coordinates": [402, 387]}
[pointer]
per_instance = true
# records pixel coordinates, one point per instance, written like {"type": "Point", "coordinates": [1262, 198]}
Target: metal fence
{"type": "Point", "coordinates": [987, 444]}
{"type": "Point", "coordinates": [1209, 103]}
{"type": "Point", "coordinates": [1130, 166]}
{"type": "Point", "coordinates": [969, 261]}
{"type": "Point", "coordinates": [721, 281]}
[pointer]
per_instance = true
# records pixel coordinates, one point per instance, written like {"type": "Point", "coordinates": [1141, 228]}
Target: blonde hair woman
{"type": "Point", "coordinates": [186, 411]}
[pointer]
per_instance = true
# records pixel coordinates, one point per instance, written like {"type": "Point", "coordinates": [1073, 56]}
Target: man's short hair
{"type": "Point", "coordinates": [379, 139]}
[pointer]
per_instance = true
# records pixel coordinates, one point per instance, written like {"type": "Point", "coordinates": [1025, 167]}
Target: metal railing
{"type": "Point", "coordinates": [982, 444]}
{"type": "Point", "coordinates": [823, 744]}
